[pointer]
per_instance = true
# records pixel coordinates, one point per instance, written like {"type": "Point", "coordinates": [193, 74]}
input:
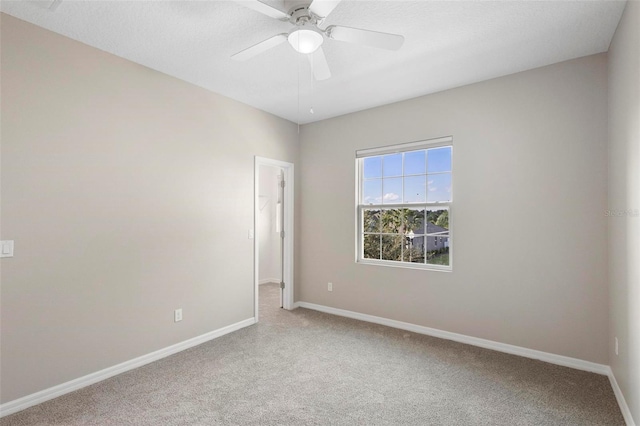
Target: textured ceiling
{"type": "Point", "coordinates": [447, 44]}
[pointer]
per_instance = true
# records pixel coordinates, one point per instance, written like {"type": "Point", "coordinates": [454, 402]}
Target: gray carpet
{"type": "Point", "coordinates": [308, 368]}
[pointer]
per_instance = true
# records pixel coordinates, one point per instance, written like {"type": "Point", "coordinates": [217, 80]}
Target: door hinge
{"type": "Point", "coordinates": [281, 183]}
{"type": "Point", "coordinates": [282, 234]}
{"type": "Point", "coordinates": [282, 284]}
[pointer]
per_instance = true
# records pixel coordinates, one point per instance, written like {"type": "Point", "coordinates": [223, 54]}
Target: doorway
{"type": "Point", "coordinates": [273, 224]}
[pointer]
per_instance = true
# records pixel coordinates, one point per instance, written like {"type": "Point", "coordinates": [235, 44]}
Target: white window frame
{"type": "Point", "coordinates": [448, 205]}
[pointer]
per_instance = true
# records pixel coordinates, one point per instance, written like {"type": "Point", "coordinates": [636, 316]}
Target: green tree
{"type": "Point", "coordinates": [432, 215]}
{"type": "Point", "coordinates": [371, 220]}
{"type": "Point", "coordinates": [443, 220]}
{"type": "Point", "coordinates": [414, 220]}
{"type": "Point", "coordinates": [372, 246]}
{"type": "Point", "coordinates": [371, 243]}
{"type": "Point", "coordinates": [392, 221]}
{"type": "Point", "coordinates": [400, 222]}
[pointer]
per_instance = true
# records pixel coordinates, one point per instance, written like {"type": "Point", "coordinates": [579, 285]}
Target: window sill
{"type": "Point", "coordinates": [405, 265]}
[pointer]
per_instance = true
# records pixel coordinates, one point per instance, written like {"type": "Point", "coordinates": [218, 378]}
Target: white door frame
{"type": "Point", "coordinates": [287, 296]}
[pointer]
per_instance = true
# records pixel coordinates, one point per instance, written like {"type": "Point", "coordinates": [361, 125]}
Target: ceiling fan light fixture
{"type": "Point", "coordinates": [305, 40]}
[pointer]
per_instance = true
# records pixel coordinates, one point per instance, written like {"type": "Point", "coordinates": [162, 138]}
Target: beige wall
{"type": "Point", "coordinates": [530, 237]}
{"type": "Point", "coordinates": [127, 192]}
{"type": "Point", "coordinates": [624, 194]}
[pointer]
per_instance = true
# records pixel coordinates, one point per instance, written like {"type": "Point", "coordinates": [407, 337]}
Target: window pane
{"type": "Point", "coordinates": [398, 223]}
{"type": "Point", "coordinates": [437, 250]}
{"type": "Point", "coordinates": [392, 221]}
{"type": "Point", "coordinates": [392, 165]}
{"type": "Point", "coordinates": [415, 189]}
{"type": "Point", "coordinates": [414, 249]}
{"type": "Point", "coordinates": [392, 190]}
{"type": "Point", "coordinates": [372, 191]}
{"type": "Point", "coordinates": [415, 163]}
{"type": "Point", "coordinates": [371, 246]}
{"type": "Point", "coordinates": [371, 220]}
{"type": "Point", "coordinates": [439, 160]}
{"type": "Point", "coordinates": [372, 167]}
{"type": "Point", "coordinates": [414, 220]}
{"type": "Point", "coordinates": [392, 247]}
{"type": "Point", "coordinates": [439, 187]}
{"type": "Point", "coordinates": [438, 222]}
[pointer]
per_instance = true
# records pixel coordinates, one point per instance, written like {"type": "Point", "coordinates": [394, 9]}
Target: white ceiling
{"type": "Point", "coordinates": [447, 44]}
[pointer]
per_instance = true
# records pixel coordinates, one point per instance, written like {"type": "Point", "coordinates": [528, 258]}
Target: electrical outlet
{"type": "Point", "coordinates": [177, 315]}
{"type": "Point", "coordinates": [7, 248]}
{"type": "Point", "coordinates": [330, 286]}
{"type": "Point", "coordinates": [616, 345]}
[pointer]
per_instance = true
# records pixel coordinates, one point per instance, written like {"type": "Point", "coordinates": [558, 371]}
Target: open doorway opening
{"type": "Point", "coordinates": [274, 230]}
{"type": "Point", "coordinates": [270, 221]}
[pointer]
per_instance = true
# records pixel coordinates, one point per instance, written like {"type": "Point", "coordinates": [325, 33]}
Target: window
{"type": "Point", "coordinates": [404, 205]}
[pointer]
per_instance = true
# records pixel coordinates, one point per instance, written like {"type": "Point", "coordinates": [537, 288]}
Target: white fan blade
{"type": "Point", "coordinates": [323, 8]}
{"type": "Point", "coordinates": [54, 5]}
{"type": "Point", "coordinates": [366, 37]}
{"type": "Point", "coordinates": [263, 46]}
{"type": "Point", "coordinates": [319, 65]}
{"type": "Point", "coordinates": [264, 9]}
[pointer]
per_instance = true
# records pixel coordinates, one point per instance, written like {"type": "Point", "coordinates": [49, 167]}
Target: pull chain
{"type": "Point", "coordinates": [311, 95]}
{"type": "Point", "coordinates": [298, 87]}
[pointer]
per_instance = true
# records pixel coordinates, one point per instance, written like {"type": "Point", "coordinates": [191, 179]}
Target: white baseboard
{"type": "Point", "coordinates": [268, 281]}
{"type": "Point", "coordinates": [626, 413]}
{"type": "Point", "coordinates": [565, 361]}
{"type": "Point", "coordinates": [81, 382]}
{"type": "Point", "coordinates": [475, 341]}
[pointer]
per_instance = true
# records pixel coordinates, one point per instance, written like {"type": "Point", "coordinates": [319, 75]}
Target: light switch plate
{"type": "Point", "coordinates": [7, 248]}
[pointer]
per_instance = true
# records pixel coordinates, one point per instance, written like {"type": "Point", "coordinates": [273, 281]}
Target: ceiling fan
{"type": "Point", "coordinates": [307, 35]}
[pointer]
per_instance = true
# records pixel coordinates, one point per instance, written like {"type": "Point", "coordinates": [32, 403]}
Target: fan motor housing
{"type": "Point", "coordinates": [300, 15]}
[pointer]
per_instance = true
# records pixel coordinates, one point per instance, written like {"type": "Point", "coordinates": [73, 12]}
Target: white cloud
{"type": "Point", "coordinates": [391, 197]}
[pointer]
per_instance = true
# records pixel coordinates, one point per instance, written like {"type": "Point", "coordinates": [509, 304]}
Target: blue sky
{"type": "Point", "coordinates": [426, 177]}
